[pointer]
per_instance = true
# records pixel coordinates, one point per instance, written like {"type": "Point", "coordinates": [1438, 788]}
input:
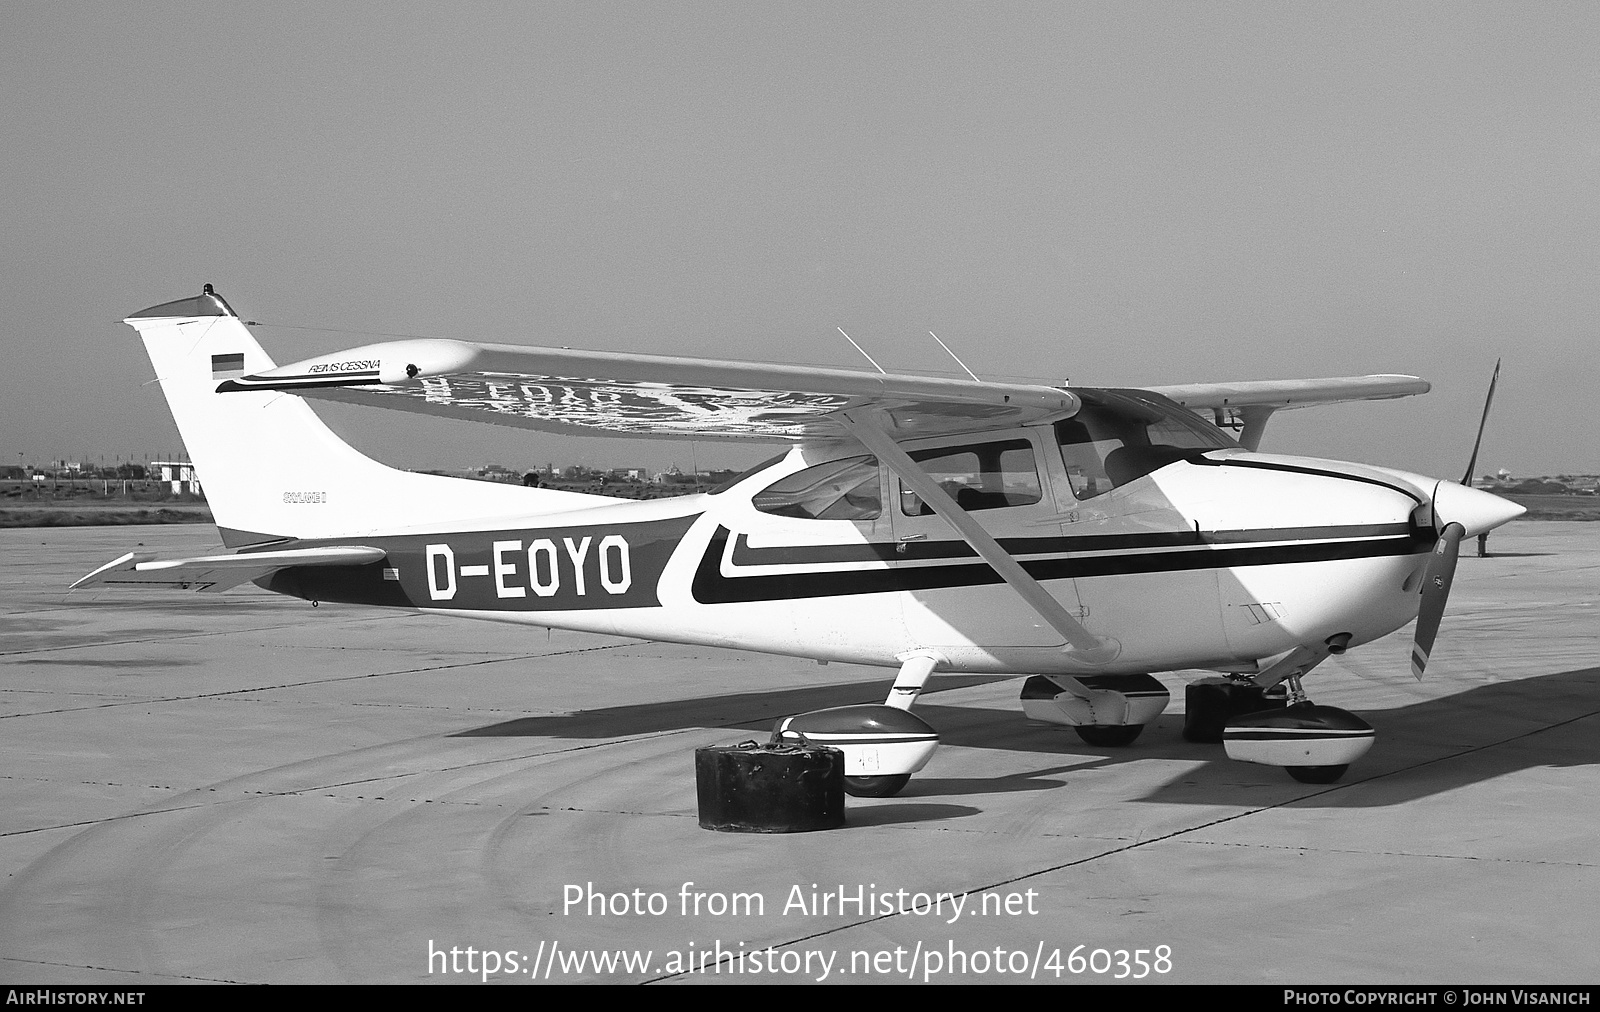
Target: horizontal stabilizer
{"type": "Point", "coordinates": [219, 572]}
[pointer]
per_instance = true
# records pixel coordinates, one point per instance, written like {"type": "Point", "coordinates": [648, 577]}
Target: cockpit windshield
{"type": "Point", "coordinates": [1120, 435]}
{"type": "Point", "coordinates": [834, 490]}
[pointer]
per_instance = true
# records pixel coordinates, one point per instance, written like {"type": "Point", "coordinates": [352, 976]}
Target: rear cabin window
{"type": "Point", "coordinates": [980, 476]}
{"type": "Point", "coordinates": [837, 490]}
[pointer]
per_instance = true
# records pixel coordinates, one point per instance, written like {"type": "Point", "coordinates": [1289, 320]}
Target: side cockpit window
{"type": "Point", "coordinates": [981, 476]}
{"type": "Point", "coordinates": [836, 490]}
{"type": "Point", "coordinates": [1118, 437]}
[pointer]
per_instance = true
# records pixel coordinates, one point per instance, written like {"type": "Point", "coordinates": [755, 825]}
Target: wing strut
{"type": "Point", "coordinates": [1082, 642]}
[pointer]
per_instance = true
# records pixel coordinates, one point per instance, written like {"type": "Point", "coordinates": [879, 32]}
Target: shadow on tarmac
{"type": "Point", "coordinates": [1423, 749]}
{"type": "Point", "coordinates": [1439, 745]}
{"type": "Point", "coordinates": [752, 711]}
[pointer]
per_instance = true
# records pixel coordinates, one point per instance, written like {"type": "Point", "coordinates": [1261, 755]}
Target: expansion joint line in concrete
{"type": "Point", "coordinates": [117, 969]}
{"type": "Point", "coordinates": [1175, 834]}
{"type": "Point", "coordinates": [153, 700]}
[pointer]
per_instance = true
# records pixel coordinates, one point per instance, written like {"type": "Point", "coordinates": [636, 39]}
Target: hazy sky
{"type": "Point", "coordinates": [1118, 193]}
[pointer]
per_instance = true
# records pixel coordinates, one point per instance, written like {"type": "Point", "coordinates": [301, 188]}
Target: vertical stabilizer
{"type": "Point", "coordinates": [270, 468]}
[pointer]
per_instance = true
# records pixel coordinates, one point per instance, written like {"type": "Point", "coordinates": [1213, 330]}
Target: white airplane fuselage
{"type": "Point", "coordinates": [1217, 561]}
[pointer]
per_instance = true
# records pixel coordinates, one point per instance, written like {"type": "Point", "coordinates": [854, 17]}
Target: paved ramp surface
{"type": "Point", "coordinates": [243, 788]}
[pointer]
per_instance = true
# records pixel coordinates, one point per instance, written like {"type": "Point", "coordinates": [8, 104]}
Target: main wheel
{"type": "Point", "coordinates": [1317, 774]}
{"type": "Point", "coordinates": [1108, 735]}
{"type": "Point", "coordinates": [875, 787]}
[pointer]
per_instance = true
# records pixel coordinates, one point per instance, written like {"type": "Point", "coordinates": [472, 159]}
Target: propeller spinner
{"type": "Point", "coordinates": [1458, 510]}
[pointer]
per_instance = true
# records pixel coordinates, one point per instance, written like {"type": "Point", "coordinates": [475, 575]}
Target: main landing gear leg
{"type": "Point", "coordinates": [883, 743]}
{"type": "Point", "coordinates": [914, 672]}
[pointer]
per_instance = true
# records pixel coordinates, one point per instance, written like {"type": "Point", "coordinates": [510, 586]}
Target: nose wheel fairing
{"type": "Point", "coordinates": [1301, 736]}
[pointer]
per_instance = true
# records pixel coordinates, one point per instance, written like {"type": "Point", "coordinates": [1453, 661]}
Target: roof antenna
{"type": "Point", "coordinates": [952, 354]}
{"type": "Point", "coordinates": [862, 350]}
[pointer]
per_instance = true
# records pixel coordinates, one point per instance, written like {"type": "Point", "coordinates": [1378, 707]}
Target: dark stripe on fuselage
{"type": "Point", "coordinates": [919, 551]}
{"type": "Point", "coordinates": [1273, 465]}
{"type": "Point", "coordinates": [712, 587]}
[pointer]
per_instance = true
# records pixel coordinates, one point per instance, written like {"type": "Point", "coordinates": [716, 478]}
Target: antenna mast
{"type": "Point", "coordinates": [952, 354]}
{"type": "Point", "coordinates": [862, 350]}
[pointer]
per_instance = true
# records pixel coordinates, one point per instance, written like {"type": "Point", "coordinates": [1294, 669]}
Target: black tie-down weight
{"type": "Point", "coordinates": [771, 788]}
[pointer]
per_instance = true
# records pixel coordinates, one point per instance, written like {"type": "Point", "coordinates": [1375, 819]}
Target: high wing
{"type": "Point", "coordinates": [219, 572]}
{"type": "Point", "coordinates": [611, 394]}
{"type": "Point", "coordinates": [1297, 393]}
{"type": "Point", "coordinates": [1247, 405]}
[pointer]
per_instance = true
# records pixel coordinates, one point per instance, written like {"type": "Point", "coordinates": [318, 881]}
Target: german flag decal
{"type": "Point", "coordinates": [225, 366]}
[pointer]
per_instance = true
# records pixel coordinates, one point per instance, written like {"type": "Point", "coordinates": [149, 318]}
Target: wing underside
{"type": "Point", "coordinates": [609, 394]}
{"type": "Point", "coordinates": [612, 394]}
{"type": "Point", "coordinates": [1296, 393]}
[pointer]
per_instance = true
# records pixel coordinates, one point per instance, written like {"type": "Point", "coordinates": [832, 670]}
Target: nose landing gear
{"type": "Point", "coordinates": [1315, 744]}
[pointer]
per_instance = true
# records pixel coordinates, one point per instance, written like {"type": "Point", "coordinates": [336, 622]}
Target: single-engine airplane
{"type": "Point", "coordinates": [1082, 536]}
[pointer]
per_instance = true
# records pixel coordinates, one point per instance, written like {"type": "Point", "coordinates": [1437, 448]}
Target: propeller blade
{"type": "Point", "coordinates": [1473, 463]}
{"type": "Point", "coordinates": [1435, 592]}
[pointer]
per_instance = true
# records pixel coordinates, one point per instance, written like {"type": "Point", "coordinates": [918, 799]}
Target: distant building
{"type": "Point", "coordinates": [177, 474]}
